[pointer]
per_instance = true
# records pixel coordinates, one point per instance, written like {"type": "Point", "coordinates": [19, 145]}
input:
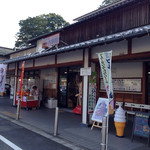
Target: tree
{"type": "Point", "coordinates": [106, 2]}
{"type": "Point", "coordinates": [36, 26]}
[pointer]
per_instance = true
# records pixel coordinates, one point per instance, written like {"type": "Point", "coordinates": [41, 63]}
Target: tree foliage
{"type": "Point", "coordinates": [106, 2]}
{"type": "Point", "coordinates": [36, 26]}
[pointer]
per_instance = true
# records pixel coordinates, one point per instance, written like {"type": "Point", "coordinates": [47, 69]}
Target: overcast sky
{"type": "Point", "coordinates": [12, 11]}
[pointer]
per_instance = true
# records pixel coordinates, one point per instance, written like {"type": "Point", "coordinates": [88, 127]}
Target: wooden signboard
{"type": "Point", "coordinates": [141, 127]}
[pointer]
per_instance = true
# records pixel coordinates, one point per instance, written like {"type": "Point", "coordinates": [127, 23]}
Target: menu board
{"type": "Point", "coordinates": [130, 85]}
{"type": "Point", "coordinates": [141, 127]}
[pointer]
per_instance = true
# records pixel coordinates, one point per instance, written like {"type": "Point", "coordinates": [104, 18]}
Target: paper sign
{"type": "Point", "coordinates": [85, 71]}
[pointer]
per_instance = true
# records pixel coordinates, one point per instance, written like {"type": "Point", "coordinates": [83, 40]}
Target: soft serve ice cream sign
{"type": "Point", "coordinates": [120, 121]}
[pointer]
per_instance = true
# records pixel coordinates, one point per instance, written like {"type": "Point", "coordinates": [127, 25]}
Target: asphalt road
{"type": "Point", "coordinates": [15, 137]}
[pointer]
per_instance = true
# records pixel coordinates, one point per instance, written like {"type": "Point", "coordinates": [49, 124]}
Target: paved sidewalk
{"type": "Point", "coordinates": [71, 129]}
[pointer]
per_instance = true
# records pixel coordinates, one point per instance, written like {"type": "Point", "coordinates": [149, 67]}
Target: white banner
{"type": "Point", "coordinates": [3, 68]}
{"type": "Point", "coordinates": [105, 59]}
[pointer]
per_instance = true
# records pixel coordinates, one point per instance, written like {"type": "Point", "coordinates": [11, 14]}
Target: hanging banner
{"type": "Point", "coordinates": [3, 68]}
{"type": "Point", "coordinates": [105, 59]}
{"type": "Point", "coordinates": [92, 93]}
{"type": "Point", "coordinates": [22, 73]}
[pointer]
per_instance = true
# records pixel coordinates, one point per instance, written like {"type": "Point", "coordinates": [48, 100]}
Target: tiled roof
{"type": "Point", "coordinates": [4, 51]}
{"type": "Point", "coordinates": [87, 16]}
{"type": "Point", "coordinates": [106, 39]}
{"type": "Point", "coordinates": [104, 9]}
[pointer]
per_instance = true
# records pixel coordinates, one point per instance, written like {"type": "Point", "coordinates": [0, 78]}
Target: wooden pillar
{"type": "Point", "coordinates": [144, 89]}
{"type": "Point", "coordinates": [85, 89]}
{"type": "Point", "coordinates": [98, 80]}
{"type": "Point", "coordinates": [129, 46]}
{"type": "Point", "coordinates": [15, 84]}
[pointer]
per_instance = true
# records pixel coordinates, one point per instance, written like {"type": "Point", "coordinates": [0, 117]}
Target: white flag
{"type": "Point", "coordinates": [105, 59]}
{"type": "Point", "coordinates": [3, 68]}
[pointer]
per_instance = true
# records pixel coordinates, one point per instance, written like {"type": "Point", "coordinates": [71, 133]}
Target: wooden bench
{"type": "Point", "coordinates": [131, 108]}
{"type": "Point", "coordinates": [128, 108]}
{"type": "Point", "coordinates": [145, 107]}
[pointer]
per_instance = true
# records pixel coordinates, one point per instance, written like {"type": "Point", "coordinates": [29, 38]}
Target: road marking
{"type": "Point", "coordinates": [12, 145]}
{"type": "Point", "coordinates": [9, 114]}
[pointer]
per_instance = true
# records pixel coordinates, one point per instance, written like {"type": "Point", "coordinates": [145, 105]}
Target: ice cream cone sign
{"type": "Point", "coordinates": [120, 121]}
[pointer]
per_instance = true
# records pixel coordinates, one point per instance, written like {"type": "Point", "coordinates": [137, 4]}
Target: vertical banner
{"type": "Point", "coordinates": [105, 59]}
{"type": "Point", "coordinates": [20, 93]}
{"type": "Point", "coordinates": [3, 68]}
{"type": "Point", "coordinates": [22, 73]}
{"type": "Point", "coordinates": [92, 93]}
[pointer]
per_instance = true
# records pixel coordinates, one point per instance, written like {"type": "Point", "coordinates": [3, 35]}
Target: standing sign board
{"type": "Point", "coordinates": [141, 127]}
{"type": "Point", "coordinates": [101, 110]}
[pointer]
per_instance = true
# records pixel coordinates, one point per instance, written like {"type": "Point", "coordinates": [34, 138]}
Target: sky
{"type": "Point", "coordinates": [12, 11]}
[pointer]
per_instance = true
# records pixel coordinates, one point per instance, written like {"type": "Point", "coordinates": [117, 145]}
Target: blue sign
{"type": "Point", "coordinates": [141, 127]}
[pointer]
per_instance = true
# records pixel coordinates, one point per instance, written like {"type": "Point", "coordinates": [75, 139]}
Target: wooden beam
{"type": "Point", "coordinates": [129, 46]}
{"type": "Point", "coordinates": [136, 56]}
{"type": "Point", "coordinates": [144, 89]}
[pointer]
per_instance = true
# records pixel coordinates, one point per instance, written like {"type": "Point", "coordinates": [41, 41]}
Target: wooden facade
{"type": "Point", "coordinates": [127, 17]}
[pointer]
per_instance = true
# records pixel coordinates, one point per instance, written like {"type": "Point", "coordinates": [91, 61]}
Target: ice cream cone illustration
{"type": "Point", "coordinates": [120, 121]}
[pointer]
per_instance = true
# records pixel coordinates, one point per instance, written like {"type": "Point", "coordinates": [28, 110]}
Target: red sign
{"type": "Point", "coordinates": [50, 40]}
{"type": "Point", "coordinates": [22, 73]}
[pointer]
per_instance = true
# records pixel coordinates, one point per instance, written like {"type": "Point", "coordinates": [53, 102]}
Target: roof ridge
{"type": "Point", "coordinates": [102, 9]}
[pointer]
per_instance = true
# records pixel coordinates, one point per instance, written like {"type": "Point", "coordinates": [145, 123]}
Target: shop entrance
{"type": "Point", "coordinates": [67, 87]}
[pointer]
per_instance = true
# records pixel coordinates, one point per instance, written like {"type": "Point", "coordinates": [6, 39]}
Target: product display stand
{"type": "Point", "coordinates": [28, 102]}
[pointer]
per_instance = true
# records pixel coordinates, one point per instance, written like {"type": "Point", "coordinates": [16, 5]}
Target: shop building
{"type": "Point", "coordinates": [4, 52]}
{"type": "Point", "coordinates": [4, 55]}
{"type": "Point", "coordinates": [57, 57]}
